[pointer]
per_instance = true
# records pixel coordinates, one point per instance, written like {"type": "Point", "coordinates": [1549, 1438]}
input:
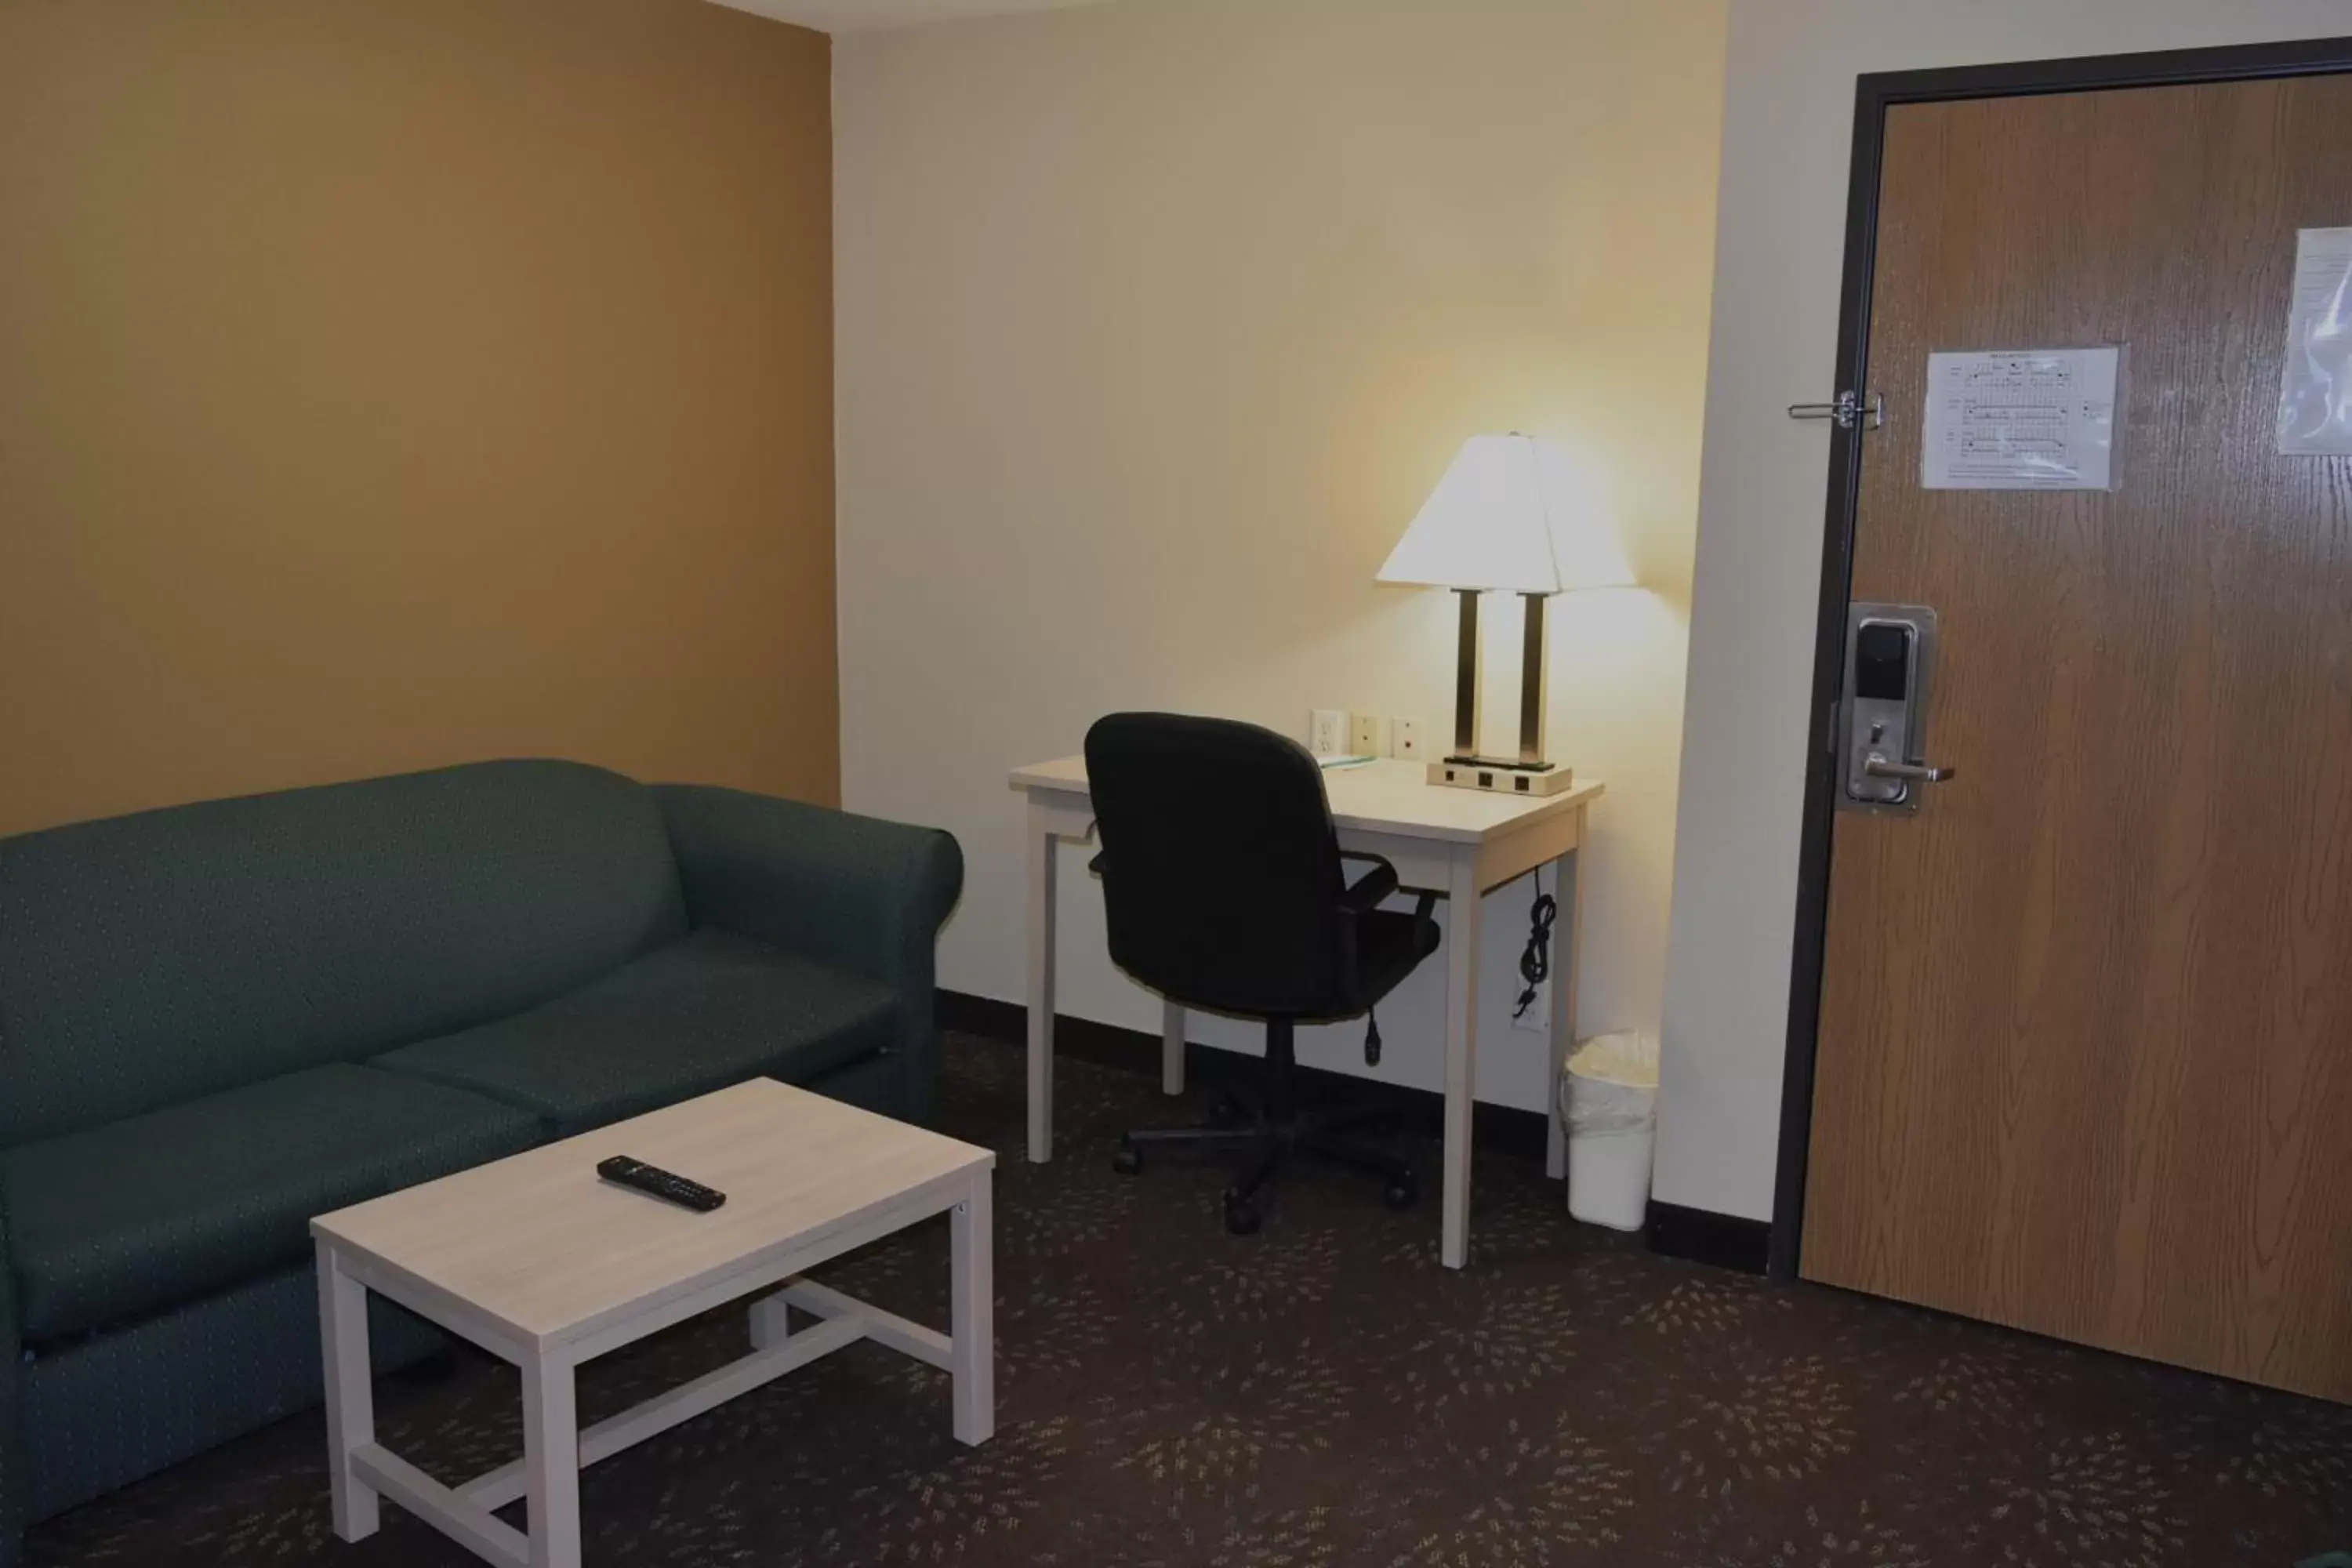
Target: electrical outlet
{"type": "Point", "coordinates": [1327, 733]}
{"type": "Point", "coordinates": [1370, 736]}
{"type": "Point", "coordinates": [1407, 740]}
{"type": "Point", "coordinates": [1536, 1019]}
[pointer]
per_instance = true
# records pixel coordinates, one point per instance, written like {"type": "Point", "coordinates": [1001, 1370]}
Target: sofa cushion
{"type": "Point", "coordinates": [146, 960]}
{"type": "Point", "coordinates": [709, 1010]}
{"type": "Point", "coordinates": [119, 1221]}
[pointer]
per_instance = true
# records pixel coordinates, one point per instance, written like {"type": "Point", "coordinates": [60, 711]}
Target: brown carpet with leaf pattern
{"type": "Point", "coordinates": [1324, 1393]}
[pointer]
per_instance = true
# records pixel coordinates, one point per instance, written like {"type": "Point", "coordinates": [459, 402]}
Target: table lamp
{"type": "Point", "coordinates": [1509, 517]}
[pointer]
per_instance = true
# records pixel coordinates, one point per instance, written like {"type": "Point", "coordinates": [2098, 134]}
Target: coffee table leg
{"type": "Point", "coordinates": [972, 1326]}
{"type": "Point", "coordinates": [551, 1456]}
{"type": "Point", "coordinates": [351, 1393]}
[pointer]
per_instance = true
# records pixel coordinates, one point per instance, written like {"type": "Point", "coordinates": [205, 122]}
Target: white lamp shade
{"type": "Point", "coordinates": [1510, 515]}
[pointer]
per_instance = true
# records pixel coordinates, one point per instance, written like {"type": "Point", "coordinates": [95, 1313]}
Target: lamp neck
{"type": "Point", "coordinates": [1531, 681]}
{"type": "Point", "coordinates": [1466, 678]}
{"type": "Point", "coordinates": [1532, 705]}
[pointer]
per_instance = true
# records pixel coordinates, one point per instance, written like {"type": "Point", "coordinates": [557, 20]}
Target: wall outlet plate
{"type": "Point", "coordinates": [1406, 739]}
{"type": "Point", "coordinates": [1327, 733]}
{"type": "Point", "coordinates": [1536, 1019]}
{"type": "Point", "coordinates": [1368, 736]}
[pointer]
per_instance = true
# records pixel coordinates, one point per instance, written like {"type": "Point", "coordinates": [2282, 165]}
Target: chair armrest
{"type": "Point", "coordinates": [853, 891]}
{"type": "Point", "coordinates": [1375, 885]}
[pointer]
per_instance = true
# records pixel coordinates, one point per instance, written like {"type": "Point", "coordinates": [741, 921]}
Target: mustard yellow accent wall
{"type": "Point", "coordinates": [392, 383]}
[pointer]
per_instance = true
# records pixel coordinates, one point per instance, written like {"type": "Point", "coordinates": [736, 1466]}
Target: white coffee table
{"type": "Point", "coordinates": [540, 1263]}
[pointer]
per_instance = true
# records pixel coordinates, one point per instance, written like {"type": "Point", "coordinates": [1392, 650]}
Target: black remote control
{"type": "Point", "coordinates": [667, 1185]}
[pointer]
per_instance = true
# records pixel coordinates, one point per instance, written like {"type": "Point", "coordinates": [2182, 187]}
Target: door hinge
{"type": "Point", "coordinates": [1846, 411]}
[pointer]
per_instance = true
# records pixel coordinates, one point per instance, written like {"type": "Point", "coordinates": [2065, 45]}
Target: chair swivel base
{"type": "Point", "coordinates": [1267, 1143]}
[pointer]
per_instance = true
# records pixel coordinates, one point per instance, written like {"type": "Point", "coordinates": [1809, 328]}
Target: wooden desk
{"type": "Point", "coordinates": [1457, 842]}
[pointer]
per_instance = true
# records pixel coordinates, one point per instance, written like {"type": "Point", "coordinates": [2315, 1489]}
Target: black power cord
{"type": "Point", "coordinates": [1426, 901]}
{"type": "Point", "coordinates": [1535, 964]}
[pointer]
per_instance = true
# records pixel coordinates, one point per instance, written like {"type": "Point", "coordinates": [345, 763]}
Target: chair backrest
{"type": "Point", "coordinates": [1220, 865]}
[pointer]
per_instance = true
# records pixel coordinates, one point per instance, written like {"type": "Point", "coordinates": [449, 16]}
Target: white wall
{"type": "Point", "coordinates": [1787, 135]}
{"type": "Point", "coordinates": [1158, 320]}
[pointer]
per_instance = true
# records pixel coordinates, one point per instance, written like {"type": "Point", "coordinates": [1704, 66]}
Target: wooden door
{"type": "Point", "coordinates": [2085, 1060]}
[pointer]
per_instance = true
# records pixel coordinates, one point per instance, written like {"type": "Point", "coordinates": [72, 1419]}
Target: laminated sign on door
{"type": "Point", "coordinates": [2315, 387]}
{"type": "Point", "coordinates": [2022, 420]}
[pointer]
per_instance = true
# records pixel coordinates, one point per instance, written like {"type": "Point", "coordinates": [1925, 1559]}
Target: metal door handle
{"type": "Point", "coordinates": [1879, 767]}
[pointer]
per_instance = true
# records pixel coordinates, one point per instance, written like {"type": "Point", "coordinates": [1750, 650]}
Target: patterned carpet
{"type": "Point", "coordinates": [1325, 1394]}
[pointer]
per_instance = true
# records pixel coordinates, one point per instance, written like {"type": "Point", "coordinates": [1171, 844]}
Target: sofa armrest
{"type": "Point", "coordinates": [12, 1452]}
{"type": "Point", "coordinates": [867, 895]}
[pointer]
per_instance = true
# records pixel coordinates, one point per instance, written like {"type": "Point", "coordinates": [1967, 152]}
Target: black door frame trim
{"type": "Point", "coordinates": [1873, 96]}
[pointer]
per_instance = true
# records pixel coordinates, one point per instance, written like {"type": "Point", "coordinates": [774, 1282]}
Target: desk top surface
{"type": "Point", "coordinates": [538, 1243]}
{"type": "Point", "coordinates": [1383, 797]}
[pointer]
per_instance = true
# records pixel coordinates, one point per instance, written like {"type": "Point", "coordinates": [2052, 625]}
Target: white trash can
{"type": "Point", "coordinates": [1609, 1105]}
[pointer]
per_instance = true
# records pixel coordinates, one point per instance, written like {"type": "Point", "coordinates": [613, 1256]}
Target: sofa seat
{"type": "Point", "coordinates": [120, 1221]}
{"type": "Point", "coordinates": [709, 1010]}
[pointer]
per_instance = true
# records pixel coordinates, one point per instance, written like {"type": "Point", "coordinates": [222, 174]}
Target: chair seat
{"type": "Point", "coordinates": [118, 1222]}
{"type": "Point", "coordinates": [709, 1010]}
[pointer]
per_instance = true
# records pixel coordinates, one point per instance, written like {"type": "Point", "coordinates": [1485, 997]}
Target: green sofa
{"type": "Point", "coordinates": [219, 1020]}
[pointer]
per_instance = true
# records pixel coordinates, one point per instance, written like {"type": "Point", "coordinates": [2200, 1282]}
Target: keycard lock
{"type": "Point", "coordinates": [1890, 653]}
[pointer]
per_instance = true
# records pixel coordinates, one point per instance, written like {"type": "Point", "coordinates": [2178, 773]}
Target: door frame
{"type": "Point", "coordinates": [1875, 94]}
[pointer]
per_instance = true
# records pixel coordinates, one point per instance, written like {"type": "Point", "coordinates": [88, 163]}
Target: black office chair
{"type": "Point", "coordinates": [1223, 888]}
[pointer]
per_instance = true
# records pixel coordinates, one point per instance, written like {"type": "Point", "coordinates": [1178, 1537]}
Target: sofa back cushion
{"type": "Point", "coordinates": [148, 959]}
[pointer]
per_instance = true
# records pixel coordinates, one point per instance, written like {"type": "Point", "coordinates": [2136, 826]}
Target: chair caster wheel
{"type": "Point", "coordinates": [1241, 1216]}
{"type": "Point", "coordinates": [1401, 1194]}
{"type": "Point", "coordinates": [1127, 1160]}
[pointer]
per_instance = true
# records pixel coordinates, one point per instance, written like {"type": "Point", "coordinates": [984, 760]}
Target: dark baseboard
{"type": "Point", "coordinates": [1498, 1127]}
{"type": "Point", "coordinates": [1702, 1235]}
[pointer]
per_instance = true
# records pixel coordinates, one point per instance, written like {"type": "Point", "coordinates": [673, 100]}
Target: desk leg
{"type": "Point", "coordinates": [1172, 1047]}
{"type": "Point", "coordinates": [551, 1457]}
{"type": "Point", "coordinates": [972, 1328]}
{"type": "Point", "coordinates": [1043, 848]}
{"type": "Point", "coordinates": [1567, 942]}
{"type": "Point", "coordinates": [1461, 1053]}
{"type": "Point", "coordinates": [350, 1394]}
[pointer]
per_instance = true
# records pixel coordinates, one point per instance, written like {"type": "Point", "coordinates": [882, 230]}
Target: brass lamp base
{"type": "Point", "coordinates": [1498, 777]}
